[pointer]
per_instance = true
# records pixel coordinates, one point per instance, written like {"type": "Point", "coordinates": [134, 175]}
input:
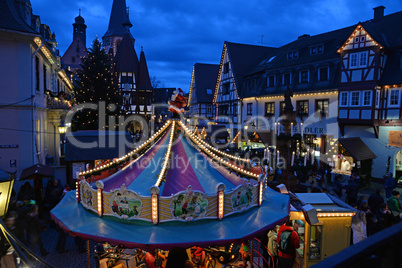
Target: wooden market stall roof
{"type": "Point", "coordinates": [357, 148]}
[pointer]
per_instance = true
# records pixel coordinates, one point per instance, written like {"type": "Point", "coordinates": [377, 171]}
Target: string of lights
{"type": "Point", "coordinates": [216, 157]}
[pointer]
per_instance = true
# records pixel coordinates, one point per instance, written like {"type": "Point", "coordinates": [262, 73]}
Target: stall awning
{"type": "Point", "coordinates": [357, 148]}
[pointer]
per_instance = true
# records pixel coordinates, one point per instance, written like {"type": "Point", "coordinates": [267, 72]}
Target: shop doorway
{"type": "Point", "coordinates": [398, 166]}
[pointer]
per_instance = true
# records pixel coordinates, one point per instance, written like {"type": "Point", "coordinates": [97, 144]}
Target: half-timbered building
{"type": "Point", "coordinates": [134, 82]}
{"type": "Point", "coordinates": [202, 87]}
{"type": "Point", "coordinates": [370, 89]}
{"type": "Point", "coordinates": [236, 61]}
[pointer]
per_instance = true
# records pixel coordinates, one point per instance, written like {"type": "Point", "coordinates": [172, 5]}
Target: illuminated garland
{"type": "Point", "coordinates": [216, 150]}
{"type": "Point", "coordinates": [128, 155]}
{"type": "Point", "coordinates": [167, 156]}
{"type": "Point", "coordinates": [216, 157]}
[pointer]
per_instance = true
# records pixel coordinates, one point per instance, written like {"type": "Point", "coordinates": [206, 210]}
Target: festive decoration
{"type": "Point", "coordinates": [177, 103]}
{"type": "Point", "coordinates": [96, 81]}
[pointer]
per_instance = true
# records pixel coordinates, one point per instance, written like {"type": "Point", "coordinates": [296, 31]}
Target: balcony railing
{"type": "Point", "coordinates": [56, 103]}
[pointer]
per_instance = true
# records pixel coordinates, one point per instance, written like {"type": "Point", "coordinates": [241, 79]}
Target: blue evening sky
{"type": "Point", "coordinates": [177, 34]}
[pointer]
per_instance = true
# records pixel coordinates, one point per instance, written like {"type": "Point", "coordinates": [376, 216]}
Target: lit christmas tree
{"type": "Point", "coordinates": [96, 82]}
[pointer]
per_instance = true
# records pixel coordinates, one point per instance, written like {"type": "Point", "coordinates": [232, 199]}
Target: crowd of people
{"type": "Point", "coordinates": [27, 218]}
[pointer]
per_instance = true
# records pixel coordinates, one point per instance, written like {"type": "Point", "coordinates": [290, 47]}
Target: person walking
{"type": "Point", "coordinates": [36, 227]}
{"type": "Point", "coordinates": [359, 228]}
{"type": "Point", "coordinates": [273, 245]}
{"type": "Point", "coordinates": [288, 242]}
{"type": "Point", "coordinates": [352, 190]}
{"type": "Point", "coordinates": [395, 206]}
{"type": "Point", "coordinates": [375, 201]}
{"type": "Point", "coordinates": [389, 185]}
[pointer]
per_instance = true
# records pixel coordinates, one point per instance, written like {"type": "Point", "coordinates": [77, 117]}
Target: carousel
{"type": "Point", "coordinates": [173, 190]}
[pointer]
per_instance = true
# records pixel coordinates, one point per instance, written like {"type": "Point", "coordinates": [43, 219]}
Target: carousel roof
{"type": "Point", "coordinates": [182, 168]}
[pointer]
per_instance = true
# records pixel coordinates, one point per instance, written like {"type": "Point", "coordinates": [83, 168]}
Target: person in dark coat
{"type": "Point", "coordinates": [389, 185]}
{"type": "Point", "coordinates": [36, 227]}
{"type": "Point", "coordinates": [352, 190]}
{"type": "Point", "coordinates": [375, 200]}
{"type": "Point", "coordinates": [177, 258]}
{"type": "Point", "coordinates": [337, 186]}
{"type": "Point", "coordinates": [26, 192]}
{"type": "Point", "coordinates": [54, 192]}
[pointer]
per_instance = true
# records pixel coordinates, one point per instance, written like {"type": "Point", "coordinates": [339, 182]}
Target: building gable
{"type": "Point", "coordinates": [360, 38]}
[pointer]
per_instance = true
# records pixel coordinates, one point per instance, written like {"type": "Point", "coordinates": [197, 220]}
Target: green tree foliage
{"type": "Point", "coordinates": [96, 82]}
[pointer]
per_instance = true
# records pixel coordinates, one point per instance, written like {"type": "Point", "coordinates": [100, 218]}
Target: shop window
{"type": "Point", "coordinates": [322, 106]}
{"type": "Point", "coordinates": [269, 108]}
{"type": "Point", "coordinates": [302, 108]}
{"type": "Point", "coordinates": [281, 108]}
{"type": "Point", "coordinates": [315, 242]}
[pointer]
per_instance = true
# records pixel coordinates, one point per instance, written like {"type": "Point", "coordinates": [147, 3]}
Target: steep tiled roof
{"type": "Point", "coordinates": [243, 58]}
{"type": "Point", "coordinates": [385, 32]}
{"type": "Point", "coordinates": [10, 18]}
{"type": "Point", "coordinates": [144, 82]}
{"type": "Point", "coordinates": [126, 57]}
{"type": "Point", "coordinates": [118, 16]}
{"type": "Point", "coordinates": [205, 76]}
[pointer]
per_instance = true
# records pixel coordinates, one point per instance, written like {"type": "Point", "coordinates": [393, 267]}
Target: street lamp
{"type": "Point", "coordinates": [62, 131]}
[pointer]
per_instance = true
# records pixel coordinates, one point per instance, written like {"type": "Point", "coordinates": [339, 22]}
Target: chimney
{"type": "Point", "coordinates": [378, 13]}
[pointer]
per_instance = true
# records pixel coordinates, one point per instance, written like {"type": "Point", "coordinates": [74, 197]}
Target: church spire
{"type": "Point", "coordinates": [119, 24]}
{"type": "Point", "coordinates": [118, 19]}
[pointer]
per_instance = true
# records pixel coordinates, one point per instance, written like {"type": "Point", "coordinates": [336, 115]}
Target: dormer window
{"type": "Point", "coordinates": [286, 79]}
{"type": "Point", "coordinates": [293, 55]}
{"type": "Point", "coordinates": [319, 49]}
{"type": "Point", "coordinates": [323, 74]}
{"type": "Point", "coordinates": [271, 81]}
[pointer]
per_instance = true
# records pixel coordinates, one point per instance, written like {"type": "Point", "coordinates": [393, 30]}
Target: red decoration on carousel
{"type": "Point", "coordinates": [177, 103]}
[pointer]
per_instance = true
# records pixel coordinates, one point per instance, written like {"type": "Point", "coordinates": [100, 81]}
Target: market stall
{"type": "Point", "coordinates": [323, 223]}
{"type": "Point", "coordinates": [353, 156]}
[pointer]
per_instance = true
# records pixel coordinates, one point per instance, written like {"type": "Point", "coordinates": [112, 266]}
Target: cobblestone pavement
{"type": "Point", "coordinates": [70, 259]}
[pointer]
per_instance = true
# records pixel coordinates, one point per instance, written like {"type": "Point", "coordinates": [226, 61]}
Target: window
{"type": "Point", "coordinates": [209, 108]}
{"type": "Point", "coordinates": [44, 77]}
{"type": "Point", "coordinates": [363, 59]}
{"type": "Point", "coordinates": [394, 97]}
{"type": "Point", "coordinates": [355, 98]}
{"type": "Point", "coordinates": [323, 74]}
{"type": "Point", "coordinates": [353, 60]}
{"type": "Point", "coordinates": [362, 39]}
{"type": "Point", "coordinates": [302, 108]}
{"type": "Point", "coordinates": [37, 73]}
{"type": "Point", "coordinates": [304, 77]}
{"type": "Point", "coordinates": [317, 49]}
{"type": "Point", "coordinates": [226, 68]}
{"type": "Point", "coordinates": [271, 81]}
{"type": "Point", "coordinates": [377, 99]}
{"type": "Point", "coordinates": [269, 108]}
{"type": "Point", "coordinates": [293, 55]}
{"type": "Point", "coordinates": [77, 49]}
{"type": "Point", "coordinates": [322, 106]}
{"type": "Point", "coordinates": [358, 60]}
{"type": "Point", "coordinates": [343, 99]}
{"type": "Point", "coordinates": [72, 59]}
{"type": "Point", "coordinates": [234, 108]}
{"type": "Point", "coordinates": [286, 79]}
{"type": "Point", "coordinates": [225, 88]}
{"type": "Point", "coordinates": [209, 91]}
{"type": "Point", "coordinates": [125, 79]}
{"type": "Point", "coordinates": [367, 98]}
{"type": "Point", "coordinates": [249, 109]}
{"type": "Point", "coordinates": [281, 108]}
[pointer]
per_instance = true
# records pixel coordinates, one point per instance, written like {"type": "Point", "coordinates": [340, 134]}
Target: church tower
{"type": "Point", "coordinates": [77, 49]}
{"type": "Point", "coordinates": [80, 29]}
{"type": "Point", "coordinates": [119, 23]}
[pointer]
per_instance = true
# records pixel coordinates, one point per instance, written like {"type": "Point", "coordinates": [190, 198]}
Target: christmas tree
{"type": "Point", "coordinates": [96, 83]}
